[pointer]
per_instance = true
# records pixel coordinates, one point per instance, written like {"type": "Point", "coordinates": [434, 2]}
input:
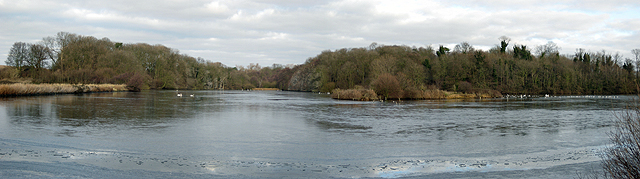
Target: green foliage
{"type": "Point", "coordinates": [442, 51]}
{"type": "Point", "coordinates": [521, 52]}
{"type": "Point", "coordinates": [426, 64]}
{"type": "Point", "coordinates": [504, 43]}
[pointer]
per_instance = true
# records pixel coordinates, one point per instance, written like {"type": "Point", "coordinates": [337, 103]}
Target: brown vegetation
{"type": "Point", "coordinates": [388, 86]}
{"type": "Point", "coordinates": [358, 94]}
{"type": "Point", "coordinates": [265, 89]}
{"type": "Point", "coordinates": [392, 72]}
{"type": "Point", "coordinates": [20, 89]}
{"type": "Point", "coordinates": [622, 160]}
{"type": "Point", "coordinates": [76, 59]}
{"type": "Point", "coordinates": [403, 72]}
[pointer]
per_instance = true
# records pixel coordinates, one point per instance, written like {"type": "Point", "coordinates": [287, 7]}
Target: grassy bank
{"type": "Point", "coordinates": [22, 89]}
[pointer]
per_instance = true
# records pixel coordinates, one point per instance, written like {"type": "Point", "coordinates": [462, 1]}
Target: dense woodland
{"type": "Point", "coordinates": [72, 58]}
{"type": "Point", "coordinates": [402, 71]}
{"type": "Point", "coordinates": [391, 71]}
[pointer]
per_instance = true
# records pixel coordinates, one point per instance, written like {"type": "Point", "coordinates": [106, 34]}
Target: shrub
{"type": "Point", "coordinates": [9, 72]}
{"type": "Point", "coordinates": [358, 94]}
{"type": "Point", "coordinates": [465, 87]}
{"type": "Point", "coordinates": [328, 87]}
{"type": "Point", "coordinates": [388, 86]}
{"type": "Point", "coordinates": [622, 160]}
{"type": "Point", "coordinates": [135, 82]}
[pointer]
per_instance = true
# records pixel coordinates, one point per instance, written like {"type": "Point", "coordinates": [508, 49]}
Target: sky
{"type": "Point", "coordinates": [240, 32]}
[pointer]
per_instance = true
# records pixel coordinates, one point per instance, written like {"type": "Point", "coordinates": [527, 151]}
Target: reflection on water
{"type": "Point", "coordinates": [89, 113]}
{"type": "Point", "coordinates": [306, 127]}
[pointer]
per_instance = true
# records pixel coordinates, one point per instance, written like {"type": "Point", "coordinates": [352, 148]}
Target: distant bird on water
{"type": "Point", "coordinates": [179, 95]}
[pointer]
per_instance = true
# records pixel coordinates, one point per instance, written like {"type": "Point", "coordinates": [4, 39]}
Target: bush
{"type": "Point", "coordinates": [328, 87]}
{"type": "Point", "coordinates": [388, 86]}
{"type": "Point", "coordinates": [622, 160]}
{"type": "Point", "coordinates": [135, 82]}
{"type": "Point", "coordinates": [465, 87]}
{"type": "Point", "coordinates": [9, 72]}
{"type": "Point", "coordinates": [358, 94]}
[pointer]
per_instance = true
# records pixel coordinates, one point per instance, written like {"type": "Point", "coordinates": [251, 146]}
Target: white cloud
{"type": "Point", "coordinates": [217, 8]}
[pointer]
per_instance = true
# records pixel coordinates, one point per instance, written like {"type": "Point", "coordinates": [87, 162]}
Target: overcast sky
{"type": "Point", "coordinates": [239, 32]}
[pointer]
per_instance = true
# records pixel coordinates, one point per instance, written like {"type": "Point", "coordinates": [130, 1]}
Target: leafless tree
{"type": "Point", "coordinates": [636, 53]}
{"type": "Point", "coordinates": [547, 49]}
{"type": "Point", "coordinates": [463, 47]}
{"type": "Point", "coordinates": [18, 55]}
{"type": "Point", "coordinates": [622, 160]}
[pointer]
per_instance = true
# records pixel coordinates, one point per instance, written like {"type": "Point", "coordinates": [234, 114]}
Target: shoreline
{"type": "Point", "coordinates": [25, 89]}
{"type": "Point", "coordinates": [370, 95]}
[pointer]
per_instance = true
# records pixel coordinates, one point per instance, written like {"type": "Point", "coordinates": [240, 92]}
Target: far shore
{"type": "Point", "coordinates": [370, 95]}
{"type": "Point", "coordinates": [26, 89]}
{"type": "Point", "coordinates": [266, 89]}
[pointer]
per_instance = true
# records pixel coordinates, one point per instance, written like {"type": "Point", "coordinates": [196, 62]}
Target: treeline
{"type": "Point", "coordinates": [409, 72]}
{"type": "Point", "coordinates": [76, 59]}
{"type": "Point", "coordinates": [390, 71]}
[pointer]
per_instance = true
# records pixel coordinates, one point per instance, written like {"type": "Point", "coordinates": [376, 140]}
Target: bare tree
{"type": "Point", "coordinates": [580, 55]}
{"type": "Point", "coordinates": [373, 46]}
{"type": "Point", "coordinates": [53, 49]}
{"type": "Point", "coordinates": [547, 49]}
{"type": "Point", "coordinates": [38, 55]}
{"type": "Point", "coordinates": [628, 66]}
{"type": "Point", "coordinates": [463, 47]}
{"type": "Point", "coordinates": [18, 55]}
{"type": "Point", "coordinates": [636, 53]}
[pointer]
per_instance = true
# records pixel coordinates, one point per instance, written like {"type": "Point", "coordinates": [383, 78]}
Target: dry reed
{"type": "Point", "coordinates": [355, 94]}
{"type": "Point", "coordinates": [22, 89]}
{"type": "Point", "coordinates": [361, 94]}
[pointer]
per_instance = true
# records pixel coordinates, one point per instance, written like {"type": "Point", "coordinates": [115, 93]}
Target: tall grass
{"type": "Point", "coordinates": [21, 89]}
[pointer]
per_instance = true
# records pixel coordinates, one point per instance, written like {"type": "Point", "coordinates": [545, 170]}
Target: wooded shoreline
{"type": "Point", "coordinates": [364, 73]}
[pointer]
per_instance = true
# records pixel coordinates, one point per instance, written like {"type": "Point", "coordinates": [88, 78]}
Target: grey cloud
{"type": "Point", "coordinates": [240, 32]}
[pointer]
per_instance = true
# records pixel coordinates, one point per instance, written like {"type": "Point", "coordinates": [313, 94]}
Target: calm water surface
{"type": "Point", "coordinates": [270, 133]}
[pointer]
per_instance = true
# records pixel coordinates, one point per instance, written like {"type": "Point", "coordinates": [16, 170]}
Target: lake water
{"type": "Point", "coordinates": [275, 133]}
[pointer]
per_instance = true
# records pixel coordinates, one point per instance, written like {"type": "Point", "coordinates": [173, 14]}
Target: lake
{"type": "Point", "coordinates": [273, 134]}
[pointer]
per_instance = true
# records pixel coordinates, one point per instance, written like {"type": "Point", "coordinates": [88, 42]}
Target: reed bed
{"type": "Point", "coordinates": [361, 94]}
{"type": "Point", "coordinates": [354, 94]}
{"type": "Point", "coordinates": [22, 89]}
